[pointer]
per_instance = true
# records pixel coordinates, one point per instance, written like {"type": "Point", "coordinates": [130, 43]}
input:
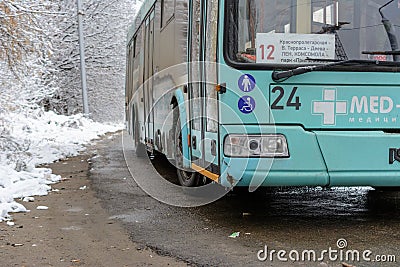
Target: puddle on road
{"type": "Point", "coordinates": [74, 209]}
{"type": "Point", "coordinates": [135, 216]}
{"type": "Point", "coordinates": [72, 228]}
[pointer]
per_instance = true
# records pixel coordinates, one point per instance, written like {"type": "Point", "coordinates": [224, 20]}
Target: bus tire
{"type": "Point", "coordinates": [158, 141]}
{"type": "Point", "coordinates": [186, 178]}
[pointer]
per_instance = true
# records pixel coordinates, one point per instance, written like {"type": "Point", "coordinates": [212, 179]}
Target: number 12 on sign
{"type": "Point", "coordinates": [267, 52]}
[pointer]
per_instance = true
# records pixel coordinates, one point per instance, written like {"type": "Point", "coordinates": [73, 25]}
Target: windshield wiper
{"type": "Point", "coordinates": [280, 75]}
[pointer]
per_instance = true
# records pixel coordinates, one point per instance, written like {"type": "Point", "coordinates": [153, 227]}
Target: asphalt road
{"type": "Point", "coordinates": [289, 219]}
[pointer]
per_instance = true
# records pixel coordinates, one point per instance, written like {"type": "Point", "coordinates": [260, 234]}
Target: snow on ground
{"type": "Point", "coordinates": [32, 137]}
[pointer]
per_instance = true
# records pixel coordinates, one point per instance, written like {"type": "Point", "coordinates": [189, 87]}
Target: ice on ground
{"type": "Point", "coordinates": [33, 137]}
{"type": "Point", "coordinates": [28, 199]}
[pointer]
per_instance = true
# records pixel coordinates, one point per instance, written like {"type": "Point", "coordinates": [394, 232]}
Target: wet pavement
{"type": "Point", "coordinates": [296, 220]}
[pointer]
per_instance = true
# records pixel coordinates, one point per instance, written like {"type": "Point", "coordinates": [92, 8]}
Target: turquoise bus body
{"type": "Point", "coordinates": [348, 143]}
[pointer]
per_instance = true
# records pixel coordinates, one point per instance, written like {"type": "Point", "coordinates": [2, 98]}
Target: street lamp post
{"type": "Point", "coordinates": [82, 56]}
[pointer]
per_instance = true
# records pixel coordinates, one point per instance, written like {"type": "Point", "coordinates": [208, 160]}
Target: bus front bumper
{"type": "Point", "coordinates": [317, 158]}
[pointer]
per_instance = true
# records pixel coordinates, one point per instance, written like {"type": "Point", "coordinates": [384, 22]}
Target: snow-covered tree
{"type": "Point", "coordinates": [39, 62]}
{"type": "Point", "coordinates": [24, 29]}
{"type": "Point", "coordinates": [39, 41]}
{"type": "Point", "coordinates": [105, 25]}
{"type": "Point", "coordinates": [39, 69]}
{"type": "Point", "coordinates": [25, 50]}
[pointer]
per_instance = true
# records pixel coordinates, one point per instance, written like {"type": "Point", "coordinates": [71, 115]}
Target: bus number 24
{"type": "Point", "coordinates": [293, 101]}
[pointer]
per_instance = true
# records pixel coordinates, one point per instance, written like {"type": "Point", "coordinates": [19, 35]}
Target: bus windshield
{"type": "Point", "coordinates": [301, 32]}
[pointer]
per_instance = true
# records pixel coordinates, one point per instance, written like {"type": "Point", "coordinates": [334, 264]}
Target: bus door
{"type": "Point", "coordinates": [196, 87]}
{"type": "Point", "coordinates": [203, 76]}
{"type": "Point", "coordinates": [148, 78]}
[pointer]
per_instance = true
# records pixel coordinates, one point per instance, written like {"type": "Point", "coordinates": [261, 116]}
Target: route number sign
{"type": "Point", "coordinates": [289, 48]}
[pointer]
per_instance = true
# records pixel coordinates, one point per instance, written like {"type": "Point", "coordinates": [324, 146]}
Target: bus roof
{"type": "Point", "coordinates": [141, 14]}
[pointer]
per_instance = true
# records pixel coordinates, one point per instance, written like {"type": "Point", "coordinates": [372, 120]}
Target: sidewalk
{"type": "Point", "coordinates": [74, 231]}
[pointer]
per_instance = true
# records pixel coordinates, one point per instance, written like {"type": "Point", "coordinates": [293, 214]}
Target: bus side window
{"type": "Point", "coordinates": [211, 57]}
{"type": "Point", "coordinates": [233, 31]}
{"type": "Point", "coordinates": [167, 11]}
{"type": "Point", "coordinates": [195, 67]}
{"type": "Point", "coordinates": [134, 47]}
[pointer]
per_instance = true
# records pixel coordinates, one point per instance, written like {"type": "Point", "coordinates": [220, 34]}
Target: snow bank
{"type": "Point", "coordinates": [33, 137]}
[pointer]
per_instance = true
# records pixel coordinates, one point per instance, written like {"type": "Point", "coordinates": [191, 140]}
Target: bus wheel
{"type": "Point", "coordinates": [187, 177]}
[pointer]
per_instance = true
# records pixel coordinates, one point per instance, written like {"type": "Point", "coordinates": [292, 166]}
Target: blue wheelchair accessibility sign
{"type": "Point", "coordinates": [246, 104]}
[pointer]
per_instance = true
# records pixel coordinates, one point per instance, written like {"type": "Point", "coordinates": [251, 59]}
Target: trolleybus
{"type": "Point", "coordinates": [281, 92]}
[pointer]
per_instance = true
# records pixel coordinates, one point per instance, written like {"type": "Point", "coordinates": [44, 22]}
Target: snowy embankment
{"type": "Point", "coordinates": [34, 137]}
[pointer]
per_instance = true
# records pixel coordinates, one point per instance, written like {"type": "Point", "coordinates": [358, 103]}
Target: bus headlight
{"type": "Point", "coordinates": [267, 146]}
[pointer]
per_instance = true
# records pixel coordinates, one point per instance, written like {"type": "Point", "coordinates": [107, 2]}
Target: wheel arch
{"type": "Point", "coordinates": [179, 102]}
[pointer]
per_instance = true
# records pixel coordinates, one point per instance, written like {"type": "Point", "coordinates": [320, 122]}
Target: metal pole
{"type": "Point", "coordinates": [82, 55]}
